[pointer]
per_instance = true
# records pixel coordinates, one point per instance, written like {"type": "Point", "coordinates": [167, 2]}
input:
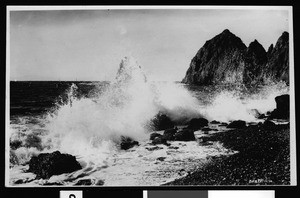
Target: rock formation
{"type": "Point", "coordinates": [47, 164]}
{"type": "Point", "coordinates": [226, 59]}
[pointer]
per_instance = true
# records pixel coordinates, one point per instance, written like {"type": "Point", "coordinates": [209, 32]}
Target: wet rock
{"type": "Point", "coordinates": [52, 184]}
{"type": "Point", "coordinates": [169, 134]}
{"type": "Point", "coordinates": [206, 129]}
{"type": "Point", "coordinates": [84, 182]}
{"type": "Point", "coordinates": [185, 135]}
{"type": "Point", "coordinates": [161, 158]}
{"type": "Point", "coordinates": [162, 122]}
{"type": "Point", "coordinates": [173, 147]}
{"type": "Point", "coordinates": [154, 135]}
{"type": "Point", "coordinates": [203, 139]}
{"type": "Point", "coordinates": [197, 123]}
{"type": "Point", "coordinates": [153, 148]}
{"type": "Point", "coordinates": [19, 181]}
{"type": "Point", "coordinates": [15, 144]}
{"type": "Point", "coordinates": [47, 164]}
{"type": "Point", "coordinates": [223, 124]}
{"type": "Point", "coordinates": [269, 123]}
{"type": "Point", "coordinates": [282, 110]}
{"type": "Point", "coordinates": [159, 140]}
{"type": "Point", "coordinates": [215, 122]}
{"type": "Point", "coordinates": [255, 112]}
{"type": "Point", "coordinates": [99, 182]}
{"type": "Point", "coordinates": [237, 124]}
{"type": "Point", "coordinates": [261, 116]}
{"type": "Point", "coordinates": [127, 143]}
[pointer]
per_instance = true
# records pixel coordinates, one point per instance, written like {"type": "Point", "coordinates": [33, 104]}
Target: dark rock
{"type": "Point", "coordinates": [223, 124]}
{"type": "Point", "coordinates": [226, 59]}
{"type": "Point", "coordinates": [99, 183]}
{"type": "Point", "coordinates": [269, 123]}
{"type": "Point", "coordinates": [215, 122]}
{"type": "Point", "coordinates": [162, 122]}
{"type": "Point", "coordinates": [84, 182]}
{"type": "Point", "coordinates": [173, 147]}
{"type": "Point", "coordinates": [153, 148]}
{"type": "Point", "coordinates": [185, 135]}
{"type": "Point", "coordinates": [237, 124]}
{"type": "Point", "coordinates": [159, 140]}
{"type": "Point", "coordinates": [161, 158]}
{"type": "Point", "coordinates": [169, 134]}
{"type": "Point", "coordinates": [261, 116]}
{"type": "Point", "coordinates": [52, 184]}
{"type": "Point", "coordinates": [127, 143]}
{"type": "Point", "coordinates": [282, 110]}
{"type": "Point", "coordinates": [19, 181]}
{"type": "Point", "coordinates": [154, 135]}
{"type": "Point", "coordinates": [15, 144]}
{"type": "Point", "coordinates": [255, 112]}
{"type": "Point", "coordinates": [203, 139]}
{"type": "Point", "coordinates": [283, 103]}
{"type": "Point", "coordinates": [47, 164]}
{"type": "Point", "coordinates": [197, 123]}
{"type": "Point", "coordinates": [206, 129]}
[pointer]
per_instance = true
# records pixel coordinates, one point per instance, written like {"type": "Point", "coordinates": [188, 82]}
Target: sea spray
{"type": "Point", "coordinates": [238, 104]}
{"type": "Point", "coordinates": [92, 127]}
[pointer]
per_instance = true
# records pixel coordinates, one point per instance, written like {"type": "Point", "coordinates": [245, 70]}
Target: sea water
{"type": "Point", "coordinates": [88, 119]}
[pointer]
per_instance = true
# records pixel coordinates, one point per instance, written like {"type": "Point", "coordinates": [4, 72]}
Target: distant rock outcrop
{"type": "Point", "coordinates": [226, 59]}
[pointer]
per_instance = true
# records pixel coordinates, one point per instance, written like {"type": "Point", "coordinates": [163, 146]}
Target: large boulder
{"type": "Point", "coordinates": [282, 110]}
{"type": "Point", "coordinates": [154, 135]}
{"type": "Point", "coordinates": [169, 134]}
{"type": "Point", "coordinates": [162, 122]}
{"type": "Point", "coordinates": [237, 124]}
{"type": "Point", "coordinates": [127, 143]}
{"type": "Point", "coordinates": [47, 164]}
{"type": "Point", "coordinates": [159, 140]}
{"type": "Point", "coordinates": [185, 135]}
{"type": "Point", "coordinates": [197, 123]}
{"type": "Point", "coordinates": [268, 124]}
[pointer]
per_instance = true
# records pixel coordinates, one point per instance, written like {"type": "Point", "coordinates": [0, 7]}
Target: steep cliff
{"type": "Point", "coordinates": [226, 59]}
{"type": "Point", "coordinates": [277, 67]}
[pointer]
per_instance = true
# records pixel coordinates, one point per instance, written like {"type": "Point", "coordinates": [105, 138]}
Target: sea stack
{"type": "Point", "coordinates": [226, 59]}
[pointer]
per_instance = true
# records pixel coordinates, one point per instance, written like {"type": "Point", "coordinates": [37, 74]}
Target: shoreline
{"type": "Point", "coordinates": [263, 158]}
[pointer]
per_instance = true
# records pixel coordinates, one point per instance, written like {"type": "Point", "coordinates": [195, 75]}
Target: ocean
{"type": "Point", "coordinates": [87, 120]}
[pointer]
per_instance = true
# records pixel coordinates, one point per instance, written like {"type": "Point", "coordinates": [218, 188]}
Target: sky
{"type": "Point", "coordinates": [88, 45]}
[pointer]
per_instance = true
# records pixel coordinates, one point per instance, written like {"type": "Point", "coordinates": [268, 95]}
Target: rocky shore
{"type": "Point", "coordinates": [260, 151]}
{"type": "Point", "coordinates": [263, 156]}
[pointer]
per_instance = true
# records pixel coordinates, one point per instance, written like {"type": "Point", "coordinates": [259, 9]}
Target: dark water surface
{"type": "Point", "coordinates": [38, 97]}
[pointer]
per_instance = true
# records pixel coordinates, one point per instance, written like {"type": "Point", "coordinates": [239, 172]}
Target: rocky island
{"type": "Point", "coordinates": [226, 59]}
